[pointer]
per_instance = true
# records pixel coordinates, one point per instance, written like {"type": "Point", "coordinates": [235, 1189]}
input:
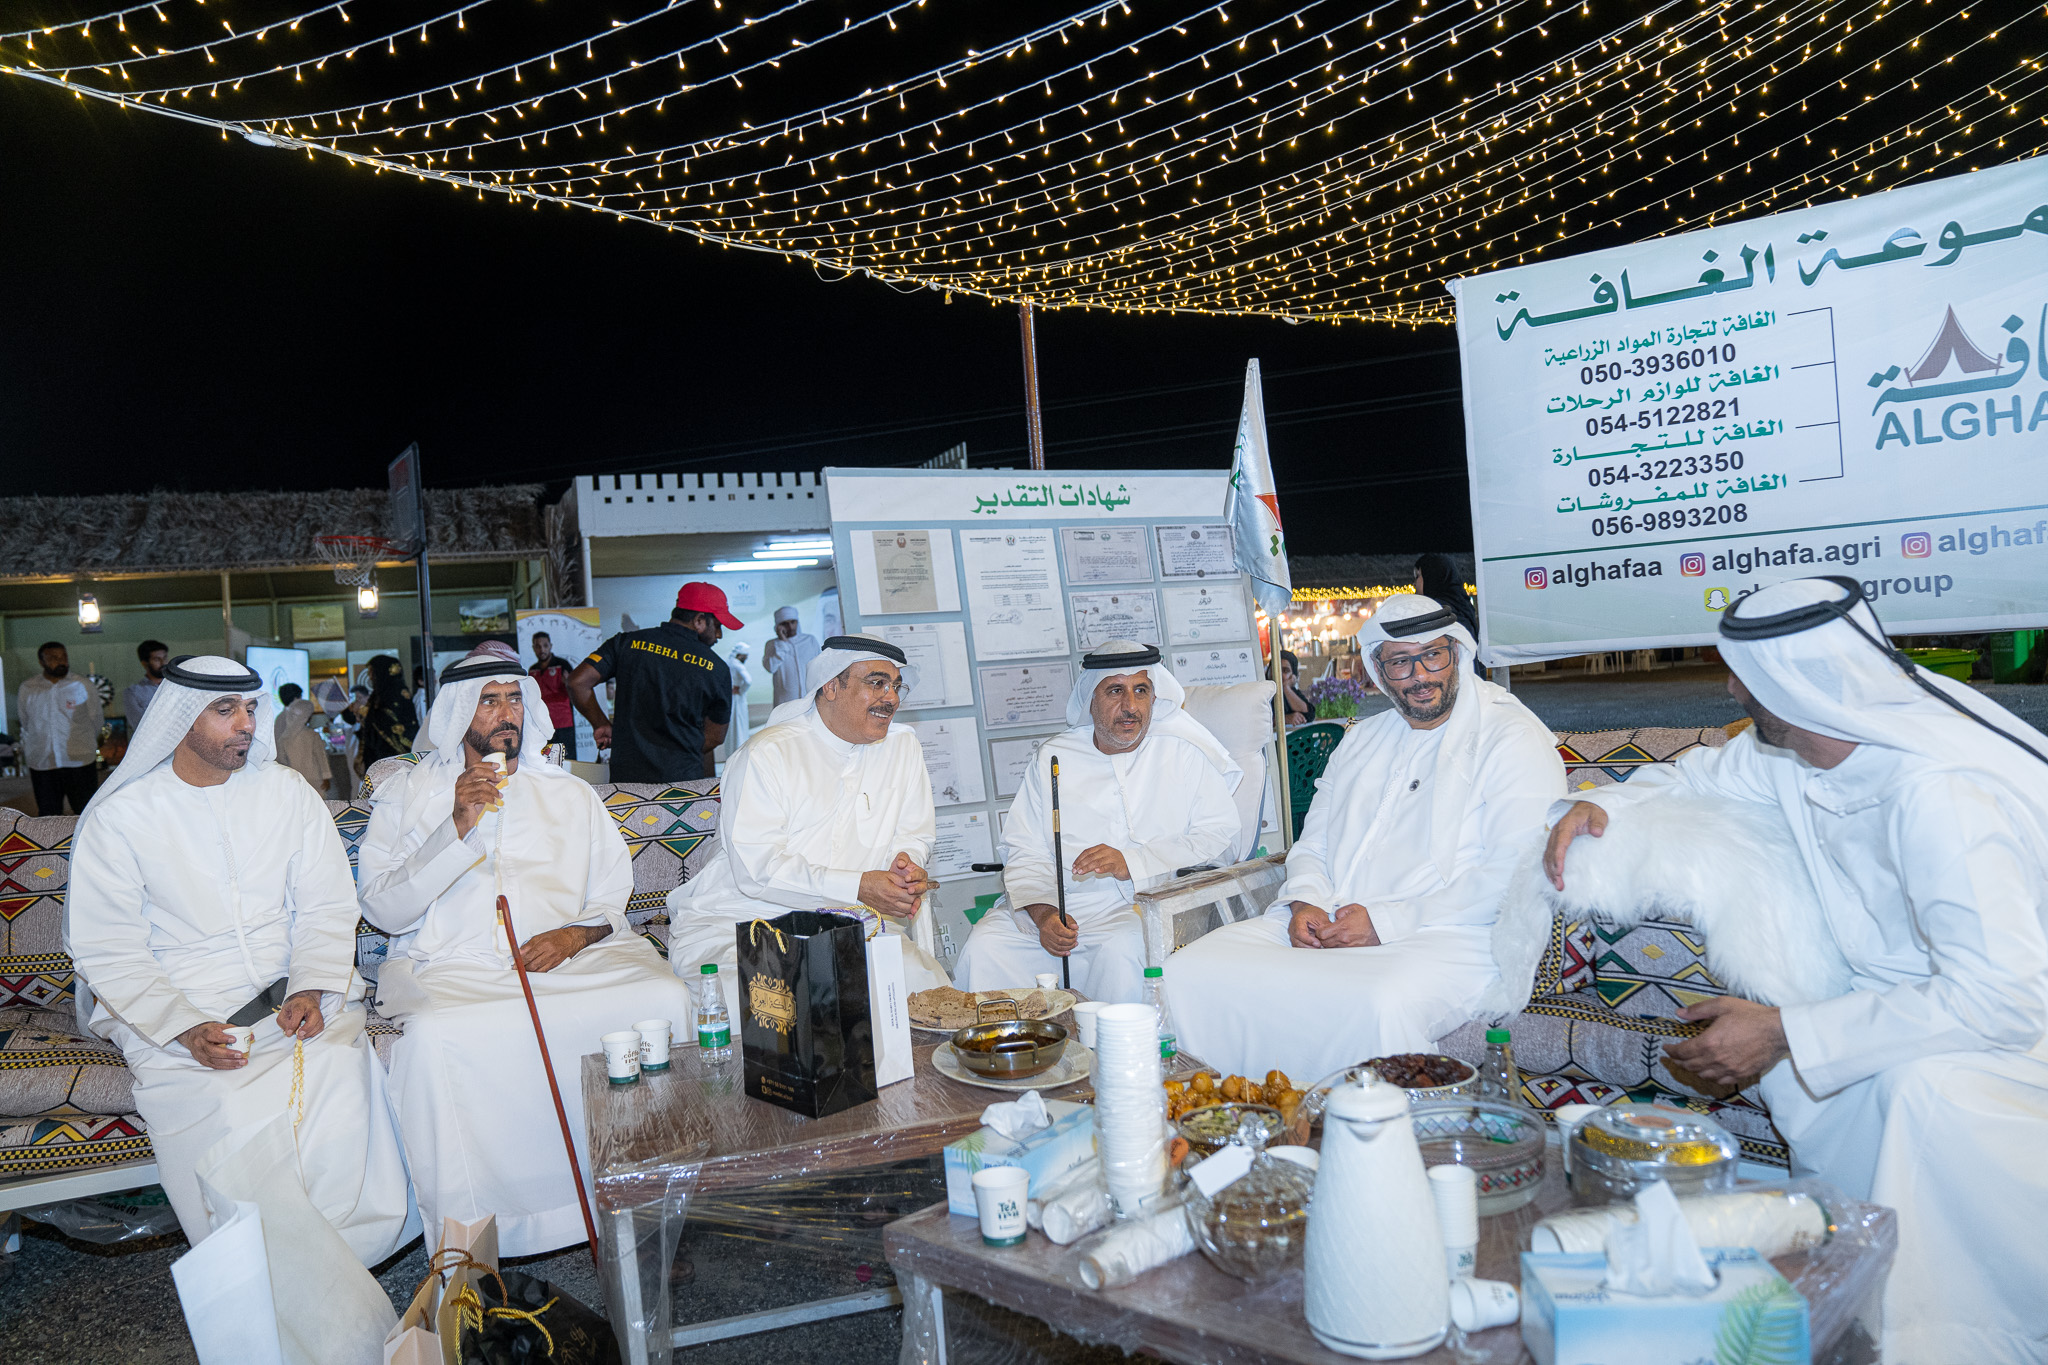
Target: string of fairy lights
{"type": "Point", "coordinates": [1316, 160]}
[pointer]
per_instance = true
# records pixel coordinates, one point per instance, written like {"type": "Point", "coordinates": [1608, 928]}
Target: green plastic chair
{"type": "Point", "coordinates": [1308, 753]}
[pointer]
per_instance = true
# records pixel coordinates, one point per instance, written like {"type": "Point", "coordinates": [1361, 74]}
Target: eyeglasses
{"type": "Point", "coordinates": [1432, 660]}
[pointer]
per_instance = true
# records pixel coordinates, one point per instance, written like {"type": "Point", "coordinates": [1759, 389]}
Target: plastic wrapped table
{"type": "Point", "coordinates": [1189, 1311]}
{"type": "Point", "coordinates": [658, 1145]}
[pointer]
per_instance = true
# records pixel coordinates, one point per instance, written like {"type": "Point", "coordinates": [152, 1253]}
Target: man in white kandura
{"type": "Point", "coordinates": [1380, 941]}
{"type": "Point", "coordinates": [737, 730]}
{"type": "Point", "coordinates": [1144, 792]}
{"type": "Point", "coordinates": [787, 657]}
{"type": "Point", "coordinates": [446, 839]}
{"type": "Point", "coordinates": [829, 804]}
{"type": "Point", "coordinates": [1920, 811]}
{"type": "Point", "coordinates": [209, 886]}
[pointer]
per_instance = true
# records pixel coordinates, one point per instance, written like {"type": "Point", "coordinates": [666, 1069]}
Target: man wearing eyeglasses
{"type": "Point", "coordinates": [1380, 940]}
{"type": "Point", "coordinates": [829, 804]}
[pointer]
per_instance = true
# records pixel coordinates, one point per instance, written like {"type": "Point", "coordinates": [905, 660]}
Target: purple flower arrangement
{"type": "Point", "coordinates": [1336, 697]}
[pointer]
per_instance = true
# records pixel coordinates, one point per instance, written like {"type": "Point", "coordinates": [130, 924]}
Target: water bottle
{"type": "Point", "coordinates": [714, 1024]}
{"type": "Point", "coordinates": [1498, 1079]}
{"type": "Point", "coordinates": [1155, 991]}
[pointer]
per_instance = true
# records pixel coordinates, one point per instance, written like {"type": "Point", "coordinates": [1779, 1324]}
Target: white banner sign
{"type": "Point", "coordinates": [1856, 389]}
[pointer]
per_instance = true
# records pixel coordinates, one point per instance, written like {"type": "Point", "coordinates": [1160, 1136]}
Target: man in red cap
{"type": "Point", "coordinates": [674, 694]}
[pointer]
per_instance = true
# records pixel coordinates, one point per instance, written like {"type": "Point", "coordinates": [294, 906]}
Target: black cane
{"type": "Point", "coordinates": [1059, 868]}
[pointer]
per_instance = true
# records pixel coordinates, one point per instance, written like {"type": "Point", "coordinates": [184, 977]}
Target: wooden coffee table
{"type": "Point", "coordinates": [1189, 1311]}
{"type": "Point", "coordinates": [693, 1130]}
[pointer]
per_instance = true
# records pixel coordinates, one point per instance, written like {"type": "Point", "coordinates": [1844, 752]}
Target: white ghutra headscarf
{"type": "Point", "coordinates": [840, 653]}
{"type": "Point", "coordinates": [1119, 657]}
{"type": "Point", "coordinates": [191, 684]}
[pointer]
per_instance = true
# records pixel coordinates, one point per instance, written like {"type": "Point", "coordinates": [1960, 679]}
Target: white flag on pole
{"type": "Point", "coordinates": [1254, 508]}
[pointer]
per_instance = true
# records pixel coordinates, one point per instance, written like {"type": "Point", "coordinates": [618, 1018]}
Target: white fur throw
{"type": "Point", "coordinates": [1728, 868]}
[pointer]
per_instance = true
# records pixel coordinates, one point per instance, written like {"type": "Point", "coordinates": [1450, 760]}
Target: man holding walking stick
{"type": "Point", "coordinates": [1144, 791]}
{"type": "Point", "coordinates": [483, 816]}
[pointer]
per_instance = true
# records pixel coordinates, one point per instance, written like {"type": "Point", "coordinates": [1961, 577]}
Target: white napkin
{"type": "Point", "coordinates": [1657, 1254]}
{"type": "Point", "coordinates": [1018, 1118]}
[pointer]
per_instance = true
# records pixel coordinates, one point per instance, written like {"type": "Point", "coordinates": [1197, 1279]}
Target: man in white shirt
{"type": "Point", "coordinates": [829, 805]}
{"type": "Point", "coordinates": [1380, 941]}
{"type": "Point", "coordinates": [446, 839]}
{"type": "Point", "coordinates": [299, 745]}
{"type": "Point", "coordinates": [209, 887]}
{"type": "Point", "coordinates": [788, 656]}
{"type": "Point", "coordinates": [738, 727]}
{"type": "Point", "coordinates": [60, 733]}
{"type": "Point", "coordinates": [136, 698]}
{"type": "Point", "coordinates": [1144, 792]}
{"type": "Point", "coordinates": [1920, 811]}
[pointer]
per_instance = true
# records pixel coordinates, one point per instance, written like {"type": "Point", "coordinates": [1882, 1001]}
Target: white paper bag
{"type": "Point", "coordinates": [224, 1288]}
{"type": "Point", "coordinates": [888, 1009]}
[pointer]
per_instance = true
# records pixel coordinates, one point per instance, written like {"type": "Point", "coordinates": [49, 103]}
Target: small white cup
{"type": "Point", "coordinates": [1084, 1020]}
{"type": "Point", "coordinates": [1456, 1192]}
{"type": "Point", "coordinates": [999, 1195]}
{"type": "Point", "coordinates": [1479, 1304]}
{"type": "Point", "coordinates": [245, 1037]}
{"type": "Point", "coordinates": [1046, 980]}
{"type": "Point", "coordinates": [621, 1056]}
{"type": "Point", "coordinates": [654, 1042]}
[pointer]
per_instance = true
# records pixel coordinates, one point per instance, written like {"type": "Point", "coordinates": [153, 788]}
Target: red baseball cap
{"type": "Point", "coordinates": [704, 597]}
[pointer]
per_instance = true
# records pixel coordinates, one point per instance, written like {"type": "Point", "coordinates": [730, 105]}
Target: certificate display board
{"type": "Point", "coordinates": [1859, 389]}
{"type": "Point", "coordinates": [1028, 572]}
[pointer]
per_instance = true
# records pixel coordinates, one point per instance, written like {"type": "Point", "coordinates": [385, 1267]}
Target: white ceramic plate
{"type": "Point", "coordinates": [1062, 1001]}
{"type": "Point", "coordinates": [1074, 1065]}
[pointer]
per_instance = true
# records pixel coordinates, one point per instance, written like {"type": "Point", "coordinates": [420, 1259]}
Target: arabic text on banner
{"type": "Point", "coordinates": [1857, 389]}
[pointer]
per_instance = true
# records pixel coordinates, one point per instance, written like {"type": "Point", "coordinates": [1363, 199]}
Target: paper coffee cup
{"type": "Point", "coordinates": [999, 1195]}
{"type": "Point", "coordinates": [621, 1056]}
{"type": "Point", "coordinates": [245, 1037]}
{"type": "Point", "coordinates": [1084, 1020]}
{"type": "Point", "coordinates": [654, 1044]}
{"type": "Point", "coordinates": [1046, 980]}
{"type": "Point", "coordinates": [1479, 1304]}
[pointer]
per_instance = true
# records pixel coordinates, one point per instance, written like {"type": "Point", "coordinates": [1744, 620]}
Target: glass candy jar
{"type": "Point", "coordinates": [1256, 1226]}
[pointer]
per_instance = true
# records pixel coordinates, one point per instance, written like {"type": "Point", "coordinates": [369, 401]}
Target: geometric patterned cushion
{"type": "Point", "coordinates": [35, 868]}
{"type": "Point", "coordinates": [45, 982]}
{"type": "Point", "coordinates": [48, 1071]}
{"type": "Point", "coordinates": [1653, 970]}
{"type": "Point", "coordinates": [47, 1145]}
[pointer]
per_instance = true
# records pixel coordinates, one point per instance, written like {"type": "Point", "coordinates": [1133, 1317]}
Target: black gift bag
{"type": "Point", "coordinates": [807, 1042]}
{"type": "Point", "coordinates": [520, 1320]}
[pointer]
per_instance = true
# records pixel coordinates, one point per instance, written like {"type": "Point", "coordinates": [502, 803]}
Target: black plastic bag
{"type": "Point", "coordinates": [544, 1327]}
{"type": "Point", "coordinates": [807, 1042]}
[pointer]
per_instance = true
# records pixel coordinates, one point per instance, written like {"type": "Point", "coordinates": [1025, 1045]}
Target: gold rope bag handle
{"type": "Point", "coordinates": [470, 1309]}
{"type": "Point", "coordinates": [754, 930]}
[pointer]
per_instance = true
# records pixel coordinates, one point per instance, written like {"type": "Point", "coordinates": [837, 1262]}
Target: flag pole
{"type": "Point", "coordinates": [1280, 724]}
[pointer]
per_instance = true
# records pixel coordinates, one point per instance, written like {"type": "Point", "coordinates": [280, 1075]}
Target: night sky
{"type": "Point", "coordinates": [190, 312]}
{"type": "Point", "coordinates": [187, 310]}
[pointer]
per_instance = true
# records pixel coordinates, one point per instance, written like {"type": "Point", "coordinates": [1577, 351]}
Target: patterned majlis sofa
{"type": "Point", "coordinates": [67, 1121]}
{"type": "Point", "coordinates": [1594, 1030]}
{"type": "Point", "coordinates": [1604, 1000]}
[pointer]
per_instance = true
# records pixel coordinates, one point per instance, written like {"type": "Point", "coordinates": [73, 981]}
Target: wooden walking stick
{"type": "Point", "coordinates": [1059, 868]}
{"type": "Point", "coordinates": [568, 1138]}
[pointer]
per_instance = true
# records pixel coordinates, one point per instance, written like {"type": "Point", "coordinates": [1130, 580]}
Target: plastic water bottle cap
{"type": "Point", "coordinates": [1155, 971]}
{"type": "Point", "coordinates": [708, 969]}
{"type": "Point", "coordinates": [1497, 1035]}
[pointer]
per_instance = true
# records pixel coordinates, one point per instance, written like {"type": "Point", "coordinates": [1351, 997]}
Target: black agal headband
{"type": "Point", "coordinates": [245, 681]}
{"type": "Point", "coordinates": [861, 644]}
{"type": "Point", "coordinates": [1436, 623]}
{"type": "Point", "coordinates": [489, 666]}
{"type": "Point", "coordinates": [1121, 663]}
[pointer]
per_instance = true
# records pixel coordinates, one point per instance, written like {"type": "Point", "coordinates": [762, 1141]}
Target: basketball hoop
{"type": "Point", "coordinates": [354, 557]}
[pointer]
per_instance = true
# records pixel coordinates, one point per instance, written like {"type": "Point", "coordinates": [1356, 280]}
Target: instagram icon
{"type": "Point", "coordinates": [1916, 545]}
{"type": "Point", "coordinates": [1535, 578]}
{"type": "Point", "coordinates": [1693, 565]}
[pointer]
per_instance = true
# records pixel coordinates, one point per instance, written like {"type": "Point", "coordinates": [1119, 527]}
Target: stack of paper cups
{"type": "Point", "coordinates": [1774, 1222]}
{"type": "Point", "coordinates": [1130, 1106]}
{"type": "Point", "coordinates": [1456, 1191]}
{"type": "Point", "coordinates": [1126, 1252]}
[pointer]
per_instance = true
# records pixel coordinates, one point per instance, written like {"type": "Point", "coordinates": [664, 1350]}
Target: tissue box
{"type": "Point", "coordinates": [1048, 1153]}
{"type": "Point", "coordinates": [1569, 1317]}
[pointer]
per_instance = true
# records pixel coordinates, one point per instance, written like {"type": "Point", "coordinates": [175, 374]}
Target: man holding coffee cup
{"type": "Point", "coordinates": [483, 815]}
{"type": "Point", "coordinates": [212, 921]}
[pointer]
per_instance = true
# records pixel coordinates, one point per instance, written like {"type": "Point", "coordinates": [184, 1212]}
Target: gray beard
{"type": "Point", "coordinates": [1436, 712]}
